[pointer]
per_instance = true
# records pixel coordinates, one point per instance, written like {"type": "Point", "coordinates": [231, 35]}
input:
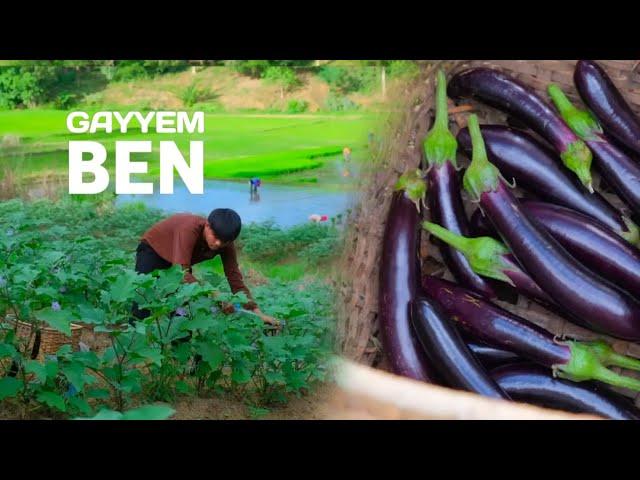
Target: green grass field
{"type": "Point", "coordinates": [237, 146]}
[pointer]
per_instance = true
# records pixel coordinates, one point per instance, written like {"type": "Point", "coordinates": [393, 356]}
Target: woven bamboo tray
{"type": "Point", "coordinates": [50, 339]}
{"type": "Point", "coordinates": [358, 283]}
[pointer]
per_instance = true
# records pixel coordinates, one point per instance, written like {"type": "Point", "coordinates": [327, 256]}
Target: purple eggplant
{"type": "Point", "coordinates": [444, 200]}
{"type": "Point", "coordinates": [497, 327]}
{"type": "Point", "coordinates": [491, 356]}
{"type": "Point", "coordinates": [504, 92]}
{"type": "Point", "coordinates": [447, 351]}
{"type": "Point", "coordinates": [490, 258]}
{"type": "Point", "coordinates": [532, 165]}
{"type": "Point", "coordinates": [576, 289]}
{"type": "Point", "coordinates": [620, 170]}
{"type": "Point", "coordinates": [605, 101]}
{"type": "Point", "coordinates": [533, 384]}
{"type": "Point", "coordinates": [592, 243]}
{"type": "Point", "coordinates": [586, 239]}
{"type": "Point", "coordinates": [399, 271]}
{"type": "Point", "coordinates": [481, 226]}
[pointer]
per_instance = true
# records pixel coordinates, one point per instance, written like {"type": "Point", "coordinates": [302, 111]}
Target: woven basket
{"type": "Point", "coordinates": [50, 339]}
{"type": "Point", "coordinates": [358, 284]}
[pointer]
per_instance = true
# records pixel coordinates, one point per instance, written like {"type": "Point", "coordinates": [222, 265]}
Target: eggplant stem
{"type": "Point", "coordinates": [605, 375]}
{"type": "Point", "coordinates": [486, 256]}
{"type": "Point", "coordinates": [481, 175]}
{"type": "Point", "coordinates": [624, 361]}
{"type": "Point", "coordinates": [440, 146]}
{"type": "Point", "coordinates": [588, 362]}
{"type": "Point", "coordinates": [458, 242]}
{"type": "Point", "coordinates": [442, 113]}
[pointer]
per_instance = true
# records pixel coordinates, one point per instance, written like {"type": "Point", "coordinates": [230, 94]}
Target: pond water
{"type": "Point", "coordinates": [286, 205]}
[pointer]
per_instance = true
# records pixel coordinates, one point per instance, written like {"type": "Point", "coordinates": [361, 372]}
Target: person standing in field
{"type": "Point", "coordinates": [346, 157]}
{"type": "Point", "coordinates": [254, 183]}
{"type": "Point", "coordinates": [185, 239]}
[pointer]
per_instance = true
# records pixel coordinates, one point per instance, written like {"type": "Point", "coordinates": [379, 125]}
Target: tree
{"type": "Point", "coordinates": [284, 77]}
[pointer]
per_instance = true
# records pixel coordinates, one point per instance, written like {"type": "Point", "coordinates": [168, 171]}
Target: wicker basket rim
{"type": "Point", "coordinates": [74, 326]}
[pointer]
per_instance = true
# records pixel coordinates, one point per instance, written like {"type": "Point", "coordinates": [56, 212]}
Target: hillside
{"type": "Point", "coordinates": [222, 89]}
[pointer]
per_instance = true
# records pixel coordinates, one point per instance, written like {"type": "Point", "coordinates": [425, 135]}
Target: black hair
{"type": "Point", "coordinates": [225, 223]}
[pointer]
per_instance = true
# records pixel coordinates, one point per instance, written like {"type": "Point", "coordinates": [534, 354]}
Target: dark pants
{"type": "Point", "coordinates": [147, 260]}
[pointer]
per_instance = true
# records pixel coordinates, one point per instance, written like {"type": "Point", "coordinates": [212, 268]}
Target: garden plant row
{"type": "Point", "coordinates": [71, 262]}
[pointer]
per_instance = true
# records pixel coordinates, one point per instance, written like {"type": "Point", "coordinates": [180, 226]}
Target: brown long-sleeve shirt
{"type": "Point", "coordinates": [179, 240]}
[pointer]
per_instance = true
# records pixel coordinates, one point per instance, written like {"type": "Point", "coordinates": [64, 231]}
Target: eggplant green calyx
{"type": "Point", "coordinates": [481, 175]}
{"type": "Point", "coordinates": [486, 256]}
{"type": "Point", "coordinates": [585, 364]}
{"type": "Point", "coordinates": [440, 145]}
{"type": "Point", "coordinates": [414, 186]}
{"type": "Point", "coordinates": [582, 122]}
{"type": "Point", "coordinates": [632, 235]}
{"type": "Point", "coordinates": [577, 157]}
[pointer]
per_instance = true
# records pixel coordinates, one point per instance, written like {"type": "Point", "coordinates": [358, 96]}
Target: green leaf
{"type": "Point", "coordinates": [36, 368]}
{"type": "Point", "coordinates": [7, 350]}
{"type": "Point", "coordinates": [88, 359]}
{"type": "Point", "coordinates": [212, 354]}
{"type": "Point", "coordinates": [149, 412]}
{"type": "Point", "coordinates": [122, 289]}
{"type": "Point", "coordinates": [90, 314]}
{"type": "Point", "coordinates": [98, 393]}
{"type": "Point", "coordinates": [50, 257]}
{"type": "Point", "coordinates": [48, 292]}
{"type": "Point", "coordinates": [104, 414]}
{"type": "Point", "coordinates": [80, 404]}
{"type": "Point", "coordinates": [9, 387]}
{"type": "Point", "coordinates": [52, 400]}
{"type": "Point", "coordinates": [52, 368]}
{"type": "Point", "coordinates": [64, 350]}
{"type": "Point", "coordinates": [240, 373]}
{"type": "Point", "coordinates": [74, 372]}
{"type": "Point", "coordinates": [275, 346]}
{"type": "Point", "coordinates": [60, 320]}
{"type": "Point", "coordinates": [236, 339]}
{"type": "Point", "coordinates": [169, 280]}
{"type": "Point", "coordinates": [201, 320]}
{"type": "Point", "coordinates": [183, 387]}
{"type": "Point", "coordinates": [154, 354]}
{"type": "Point", "coordinates": [274, 377]}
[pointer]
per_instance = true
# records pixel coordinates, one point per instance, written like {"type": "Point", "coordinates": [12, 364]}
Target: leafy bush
{"type": "Point", "coordinates": [297, 106]}
{"type": "Point", "coordinates": [284, 77]}
{"type": "Point", "coordinates": [257, 68]}
{"type": "Point", "coordinates": [269, 242]}
{"type": "Point", "coordinates": [64, 101]}
{"type": "Point", "coordinates": [127, 70]}
{"type": "Point", "coordinates": [341, 79]}
{"type": "Point", "coordinates": [18, 87]}
{"type": "Point", "coordinates": [339, 103]}
{"type": "Point", "coordinates": [403, 69]}
{"type": "Point", "coordinates": [192, 95]}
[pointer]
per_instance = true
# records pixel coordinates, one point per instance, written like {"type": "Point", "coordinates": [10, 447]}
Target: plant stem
{"type": "Point", "coordinates": [458, 242]}
{"type": "Point", "coordinates": [442, 114]}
